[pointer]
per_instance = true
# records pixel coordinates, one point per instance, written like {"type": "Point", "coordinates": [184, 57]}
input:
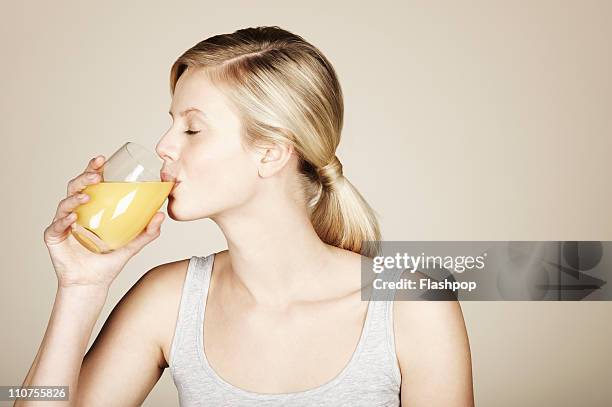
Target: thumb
{"type": "Point", "coordinates": [150, 233]}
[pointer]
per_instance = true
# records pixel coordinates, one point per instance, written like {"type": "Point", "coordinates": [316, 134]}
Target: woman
{"type": "Point", "coordinates": [257, 116]}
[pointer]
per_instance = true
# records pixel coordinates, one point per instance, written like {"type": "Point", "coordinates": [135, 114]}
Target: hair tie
{"type": "Point", "coordinates": [330, 173]}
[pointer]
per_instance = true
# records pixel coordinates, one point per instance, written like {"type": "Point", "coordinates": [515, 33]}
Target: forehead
{"type": "Point", "coordinates": [194, 90]}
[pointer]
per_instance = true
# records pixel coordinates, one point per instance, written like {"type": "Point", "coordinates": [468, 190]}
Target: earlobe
{"type": "Point", "coordinates": [260, 171]}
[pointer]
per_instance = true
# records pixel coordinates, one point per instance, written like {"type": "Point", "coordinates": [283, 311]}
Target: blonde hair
{"type": "Point", "coordinates": [287, 92]}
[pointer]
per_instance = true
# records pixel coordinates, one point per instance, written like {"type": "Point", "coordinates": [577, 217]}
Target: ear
{"type": "Point", "coordinates": [273, 159]}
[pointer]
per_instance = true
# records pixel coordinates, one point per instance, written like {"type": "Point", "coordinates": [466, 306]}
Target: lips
{"type": "Point", "coordinates": [166, 177]}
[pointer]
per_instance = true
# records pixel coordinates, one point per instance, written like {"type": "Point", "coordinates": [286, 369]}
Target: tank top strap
{"type": "Point", "coordinates": [195, 288]}
{"type": "Point", "coordinates": [380, 337]}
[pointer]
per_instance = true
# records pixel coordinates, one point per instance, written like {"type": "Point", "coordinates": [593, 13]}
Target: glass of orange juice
{"type": "Point", "coordinates": [123, 203]}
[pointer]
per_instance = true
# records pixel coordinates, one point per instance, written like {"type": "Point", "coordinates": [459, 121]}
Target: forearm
{"type": "Point", "coordinates": [59, 358]}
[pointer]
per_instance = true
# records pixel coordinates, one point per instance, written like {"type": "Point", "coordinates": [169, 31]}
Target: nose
{"type": "Point", "coordinates": [166, 149]}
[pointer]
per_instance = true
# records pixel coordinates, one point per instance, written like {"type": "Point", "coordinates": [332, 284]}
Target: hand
{"type": "Point", "coordinates": [74, 264]}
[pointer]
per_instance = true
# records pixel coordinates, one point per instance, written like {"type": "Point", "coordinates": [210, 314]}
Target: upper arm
{"type": "Point", "coordinates": [126, 359]}
{"type": "Point", "coordinates": [433, 353]}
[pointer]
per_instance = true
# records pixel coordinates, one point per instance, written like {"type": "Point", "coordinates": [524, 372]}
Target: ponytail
{"type": "Point", "coordinates": [339, 213]}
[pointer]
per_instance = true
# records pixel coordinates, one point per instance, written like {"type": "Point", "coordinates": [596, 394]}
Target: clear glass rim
{"type": "Point", "coordinates": [146, 158]}
{"type": "Point", "coordinates": [136, 146]}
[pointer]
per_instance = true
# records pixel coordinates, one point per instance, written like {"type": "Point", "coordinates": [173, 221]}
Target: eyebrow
{"type": "Point", "coordinates": [189, 110]}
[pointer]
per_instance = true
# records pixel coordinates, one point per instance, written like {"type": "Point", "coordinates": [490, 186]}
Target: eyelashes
{"type": "Point", "coordinates": [191, 132]}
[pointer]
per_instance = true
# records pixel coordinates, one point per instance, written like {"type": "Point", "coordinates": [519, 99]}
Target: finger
{"type": "Point", "coordinates": [69, 204]}
{"type": "Point", "coordinates": [83, 180]}
{"type": "Point", "coordinates": [150, 233]}
{"type": "Point", "coordinates": [95, 164]}
{"type": "Point", "coordinates": [59, 229]}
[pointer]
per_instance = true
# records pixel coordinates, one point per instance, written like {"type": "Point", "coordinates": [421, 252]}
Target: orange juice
{"type": "Point", "coordinates": [117, 212]}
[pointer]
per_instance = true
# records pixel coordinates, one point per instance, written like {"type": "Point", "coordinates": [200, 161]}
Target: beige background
{"type": "Point", "coordinates": [473, 120]}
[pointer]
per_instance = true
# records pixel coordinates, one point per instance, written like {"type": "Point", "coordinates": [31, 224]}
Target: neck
{"type": "Point", "coordinates": [275, 253]}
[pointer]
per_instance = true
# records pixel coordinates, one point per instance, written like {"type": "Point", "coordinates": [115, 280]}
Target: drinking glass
{"type": "Point", "coordinates": [123, 203]}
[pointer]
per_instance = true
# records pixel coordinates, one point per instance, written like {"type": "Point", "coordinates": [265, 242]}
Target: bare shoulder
{"type": "Point", "coordinates": [159, 285]}
{"type": "Point", "coordinates": [158, 294]}
{"type": "Point", "coordinates": [428, 323]}
{"type": "Point", "coordinates": [163, 278]}
{"type": "Point", "coordinates": [433, 352]}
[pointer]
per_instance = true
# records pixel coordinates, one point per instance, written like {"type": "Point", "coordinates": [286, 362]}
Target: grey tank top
{"type": "Point", "coordinates": [370, 378]}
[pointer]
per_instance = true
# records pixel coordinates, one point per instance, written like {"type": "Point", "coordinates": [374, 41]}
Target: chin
{"type": "Point", "coordinates": [175, 212]}
{"type": "Point", "coordinates": [171, 213]}
{"type": "Point", "coordinates": [171, 208]}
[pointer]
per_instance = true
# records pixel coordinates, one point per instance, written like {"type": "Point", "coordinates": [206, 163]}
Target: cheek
{"type": "Point", "coordinates": [220, 174]}
{"type": "Point", "coordinates": [235, 177]}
